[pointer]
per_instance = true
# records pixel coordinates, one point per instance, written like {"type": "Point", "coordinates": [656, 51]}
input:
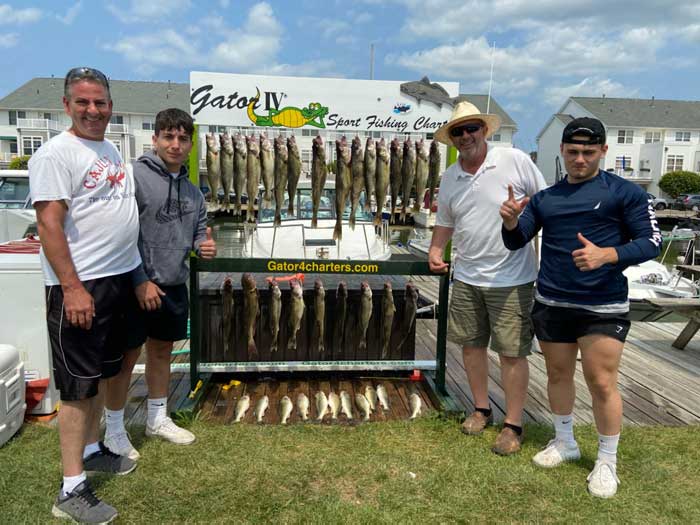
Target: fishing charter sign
{"type": "Point", "coordinates": [319, 103]}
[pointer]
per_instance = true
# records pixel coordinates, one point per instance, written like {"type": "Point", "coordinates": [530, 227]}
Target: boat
{"type": "Point", "coordinates": [294, 238]}
{"type": "Point", "coordinates": [17, 216]}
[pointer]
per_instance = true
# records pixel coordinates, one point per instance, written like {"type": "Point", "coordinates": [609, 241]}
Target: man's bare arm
{"type": "Point", "coordinates": [79, 306]}
{"type": "Point", "coordinates": [441, 234]}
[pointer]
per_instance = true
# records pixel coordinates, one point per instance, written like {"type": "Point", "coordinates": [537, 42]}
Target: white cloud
{"type": "Point", "coordinates": [147, 11]}
{"type": "Point", "coordinates": [588, 87]}
{"type": "Point", "coordinates": [70, 15]}
{"type": "Point", "coordinates": [224, 3]}
{"type": "Point", "coordinates": [11, 15]}
{"type": "Point", "coordinates": [147, 52]}
{"type": "Point", "coordinates": [363, 18]}
{"type": "Point", "coordinates": [314, 68]}
{"type": "Point", "coordinates": [9, 40]}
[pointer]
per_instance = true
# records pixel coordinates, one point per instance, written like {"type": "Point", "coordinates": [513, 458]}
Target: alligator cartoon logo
{"type": "Point", "coordinates": [289, 117]}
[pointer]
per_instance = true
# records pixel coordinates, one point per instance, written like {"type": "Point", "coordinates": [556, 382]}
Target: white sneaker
{"type": "Point", "coordinates": [603, 480]}
{"type": "Point", "coordinates": [120, 444]}
{"type": "Point", "coordinates": [170, 432]}
{"type": "Point", "coordinates": [555, 453]}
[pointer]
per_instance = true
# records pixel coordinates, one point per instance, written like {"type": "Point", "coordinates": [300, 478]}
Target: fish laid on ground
{"type": "Point", "coordinates": [365, 312]}
{"type": "Point", "coordinates": [213, 169]}
{"type": "Point", "coordinates": [241, 408]}
{"type": "Point", "coordinates": [383, 397]}
{"type": "Point", "coordinates": [381, 179]}
{"type": "Point", "coordinates": [388, 311]}
{"type": "Point", "coordinates": [334, 404]}
{"type": "Point", "coordinates": [415, 402]}
{"type": "Point", "coordinates": [260, 408]}
{"type": "Point", "coordinates": [363, 406]}
{"type": "Point", "coordinates": [319, 172]}
{"type": "Point", "coordinates": [341, 308]}
{"type": "Point", "coordinates": [252, 175]}
{"type": "Point", "coordinates": [409, 311]}
{"type": "Point", "coordinates": [357, 169]}
{"type": "Point", "coordinates": [433, 171]}
{"type": "Point", "coordinates": [346, 404]}
{"type": "Point", "coordinates": [250, 313]}
{"type": "Point", "coordinates": [227, 311]}
{"type": "Point", "coordinates": [321, 405]}
{"type": "Point", "coordinates": [267, 169]}
{"type": "Point", "coordinates": [320, 311]}
{"type": "Point", "coordinates": [303, 406]}
{"type": "Point", "coordinates": [371, 395]}
{"type": "Point", "coordinates": [281, 159]}
{"type": "Point", "coordinates": [226, 168]}
{"type": "Point", "coordinates": [275, 310]}
{"type": "Point", "coordinates": [408, 175]}
{"type": "Point", "coordinates": [240, 169]}
{"type": "Point", "coordinates": [421, 174]}
{"type": "Point", "coordinates": [296, 312]}
{"type": "Point", "coordinates": [293, 172]}
{"type": "Point", "coordinates": [343, 184]}
{"type": "Point", "coordinates": [286, 408]}
{"type": "Point", "coordinates": [370, 171]}
{"type": "Point", "coordinates": [395, 175]}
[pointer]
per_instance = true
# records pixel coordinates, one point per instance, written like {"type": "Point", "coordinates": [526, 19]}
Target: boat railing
{"type": "Point", "coordinates": [381, 231]}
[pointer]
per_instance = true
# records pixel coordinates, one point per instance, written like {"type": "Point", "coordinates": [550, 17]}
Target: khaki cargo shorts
{"type": "Point", "coordinates": [478, 314]}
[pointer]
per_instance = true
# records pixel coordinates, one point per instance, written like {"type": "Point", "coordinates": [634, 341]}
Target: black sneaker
{"type": "Point", "coordinates": [107, 461]}
{"type": "Point", "coordinates": [82, 506]}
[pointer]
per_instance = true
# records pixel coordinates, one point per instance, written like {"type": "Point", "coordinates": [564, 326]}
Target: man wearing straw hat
{"type": "Point", "coordinates": [493, 287]}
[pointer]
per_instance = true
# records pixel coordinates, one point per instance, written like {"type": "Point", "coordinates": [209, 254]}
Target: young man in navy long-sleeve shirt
{"type": "Point", "coordinates": [594, 225]}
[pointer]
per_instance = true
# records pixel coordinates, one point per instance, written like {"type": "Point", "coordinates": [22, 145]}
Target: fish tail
{"type": "Point", "coordinates": [378, 218]}
{"type": "Point", "coordinates": [338, 231]}
{"type": "Point", "coordinates": [290, 209]}
{"type": "Point", "coordinates": [314, 222]}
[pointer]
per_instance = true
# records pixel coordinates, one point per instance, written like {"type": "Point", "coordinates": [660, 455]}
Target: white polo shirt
{"type": "Point", "coordinates": [470, 204]}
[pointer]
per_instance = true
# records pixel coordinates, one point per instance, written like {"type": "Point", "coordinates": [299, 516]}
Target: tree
{"type": "Point", "coordinates": [676, 182]}
{"type": "Point", "coordinates": [19, 163]}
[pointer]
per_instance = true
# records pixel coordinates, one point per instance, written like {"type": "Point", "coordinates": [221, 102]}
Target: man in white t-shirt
{"type": "Point", "coordinates": [88, 225]}
{"type": "Point", "coordinates": [493, 287]}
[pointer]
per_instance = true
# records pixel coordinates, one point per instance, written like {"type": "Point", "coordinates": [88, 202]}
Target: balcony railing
{"type": "Point", "coordinates": [117, 128]}
{"type": "Point", "coordinates": [7, 157]}
{"type": "Point", "coordinates": [38, 123]}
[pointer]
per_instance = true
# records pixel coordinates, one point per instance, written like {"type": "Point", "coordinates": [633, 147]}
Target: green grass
{"type": "Point", "coordinates": [340, 474]}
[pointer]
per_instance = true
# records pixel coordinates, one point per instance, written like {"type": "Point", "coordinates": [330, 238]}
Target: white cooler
{"type": "Point", "coordinates": [12, 403]}
{"type": "Point", "coordinates": [23, 321]}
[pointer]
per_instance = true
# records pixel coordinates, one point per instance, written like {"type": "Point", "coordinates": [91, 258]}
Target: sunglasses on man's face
{"type": "Point", "coordinates": [86, 72]}
{"type": "Point", "coordinates": [458, 131]}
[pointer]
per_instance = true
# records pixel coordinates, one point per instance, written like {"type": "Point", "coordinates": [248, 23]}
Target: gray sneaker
{"type": "Point", "coordinates": [107, 461]}
{"type": "Point", "coordinates": [82, 506]}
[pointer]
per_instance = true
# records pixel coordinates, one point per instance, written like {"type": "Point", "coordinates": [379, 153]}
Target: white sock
{"type": "Point", "coordinates": [91, 449]}
{"type": "Point", "coordinates": [157, 411]}
{"type": "Point", "coordinates": [114, 422]}
{"type": "Point", "coordinates": [70, 482]}
{"type": "Point", "coordinates": [564, 429]}
{"type": "Point", "coordinates": [607, 448]}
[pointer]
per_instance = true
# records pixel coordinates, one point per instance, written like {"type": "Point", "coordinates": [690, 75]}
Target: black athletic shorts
{"type": "Point", "coordinates": [557, 324]}
{"type": "Point", "coordinates": [168, 323]}
{"type": "Point", "coordinates": [81, 358]}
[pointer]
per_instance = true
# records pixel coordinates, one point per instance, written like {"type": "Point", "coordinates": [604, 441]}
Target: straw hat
{"type": "Point", "coordinates": [462, 112]}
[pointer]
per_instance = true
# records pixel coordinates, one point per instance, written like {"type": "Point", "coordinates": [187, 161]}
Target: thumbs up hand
{"type": "Point", "coordinates": [207, 249]}
{"type": "Point", "coordinates": [511, 209]}
{"type": "Point", "coordinates": [592, 257]}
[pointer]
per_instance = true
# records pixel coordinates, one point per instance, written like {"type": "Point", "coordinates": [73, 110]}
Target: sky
{"type": "Point", "coordinates": [545, 51]}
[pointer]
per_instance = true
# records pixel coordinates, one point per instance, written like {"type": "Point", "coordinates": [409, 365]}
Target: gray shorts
{"type": "Point", "coordinates": [478, 314]}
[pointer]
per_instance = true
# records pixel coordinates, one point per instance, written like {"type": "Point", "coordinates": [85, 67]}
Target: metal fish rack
{"type": "Point", "coordinates": [209, 355]}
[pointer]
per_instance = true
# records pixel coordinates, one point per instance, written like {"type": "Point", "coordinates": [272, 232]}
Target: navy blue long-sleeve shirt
{"type": "Point", "coordinates": [607, 210]}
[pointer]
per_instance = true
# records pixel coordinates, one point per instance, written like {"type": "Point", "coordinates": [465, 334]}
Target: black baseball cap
{"type": "Point", "coordinates": [587, 130]}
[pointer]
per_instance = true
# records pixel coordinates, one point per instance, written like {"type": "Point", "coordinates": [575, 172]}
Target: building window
{"type": "Point", "coordinates": [625, 136]}
{"type": "Point", "coordinates": [306, 133]}
{"type": "Point", "coordinates": [13, 147]}
{"type": "Point", "coordinates": [623, 163]}
{"type": "Point", "coordinates": [674, 163]}
{"type": "Point", "coordinates": [148, 125]}
{"type": "Point", "coordinates": [30, 145]}
{"type": "Point", "coordinates": [117, 119]}
{"type": "Point", "coordinates": [14, 115]}
{"type": "Point", "coordinates": [496, 137]}
{"type": "Point", "coordinates": [48, 116]}
{"type": "Point", "coordinates": [682, 136]}
{"type": "Point", "coordinates": [652, 136]}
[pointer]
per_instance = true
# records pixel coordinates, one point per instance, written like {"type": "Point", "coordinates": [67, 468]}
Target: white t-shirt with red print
{"type": "Point", "coordinates": [102, 220]}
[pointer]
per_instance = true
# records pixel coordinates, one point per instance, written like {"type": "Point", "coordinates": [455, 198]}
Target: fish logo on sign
{"type": "Point", "coordinates": [402, 108]}
{"type": "Point", "coordinates": [290, 116]}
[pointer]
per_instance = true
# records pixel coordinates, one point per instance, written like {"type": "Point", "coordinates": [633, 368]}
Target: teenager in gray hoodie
{"type": "Point", "coordinates": [173, 221]}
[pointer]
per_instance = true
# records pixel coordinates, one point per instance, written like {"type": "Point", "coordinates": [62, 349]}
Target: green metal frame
{"type": "Point", "coordinates": [313, 266]}
{"type": "Point", "coordinates": [193, 159]}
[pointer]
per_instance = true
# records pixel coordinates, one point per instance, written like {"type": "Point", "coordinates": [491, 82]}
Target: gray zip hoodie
{"type": "Point", "coordinates": [173, 219]}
